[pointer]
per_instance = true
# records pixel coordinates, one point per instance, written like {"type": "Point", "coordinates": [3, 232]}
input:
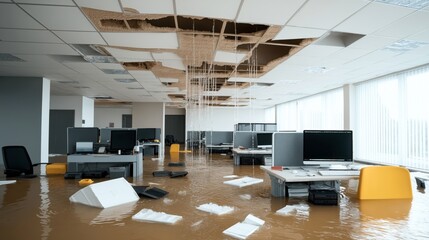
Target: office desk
{"type": "Point", "coordinates": [219, 148]}
{"type": "Point", "coordinates": [153, 144]}
{"type": "Point", "coordinates": [279, 179]}
{"type": "Point", "coordinates": [74, 160]}
{"type": "Point", "coordinates": [239, 153]}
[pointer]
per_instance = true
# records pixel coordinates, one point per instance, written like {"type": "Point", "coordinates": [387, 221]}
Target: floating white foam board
{"type": "Point", "coordinates": [244, 229]}
{"type": "Point", "coordinates": [106, 194]}
{"type": "Point", "coordinates": [245, 181]}
{"type": "Point", "coordinates": [4, 182]}
{"type": "Point", "coordinates": [216, 209]}
{"type": "Point", "coordinates": [152, 216]}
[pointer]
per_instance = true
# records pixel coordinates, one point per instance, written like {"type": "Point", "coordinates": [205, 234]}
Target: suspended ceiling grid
{"type": "Point", "coordinates": [136, 51]}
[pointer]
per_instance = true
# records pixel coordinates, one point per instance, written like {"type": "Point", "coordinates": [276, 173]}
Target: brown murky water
{"type": "Point", "coordinates": [40, 209]}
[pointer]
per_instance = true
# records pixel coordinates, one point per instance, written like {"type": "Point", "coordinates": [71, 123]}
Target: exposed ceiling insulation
{"type": "Point", "coordinates": [209, 49]}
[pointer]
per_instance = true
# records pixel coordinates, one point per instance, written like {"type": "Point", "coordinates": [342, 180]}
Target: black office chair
{"type": "Point", "coordinates": [17, 162]}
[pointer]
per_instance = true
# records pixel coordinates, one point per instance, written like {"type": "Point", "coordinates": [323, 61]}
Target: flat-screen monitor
{"type": "Point", "coordinates": [327, 147]}
{"type": "Point", "coordinates": [148, 134]}
{"type": "Point", "coordinates": [123, 140]}
{"type": "Point", "coordinates": [264, 140]}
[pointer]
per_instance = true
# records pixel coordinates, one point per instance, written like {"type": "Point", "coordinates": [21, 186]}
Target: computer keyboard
{"type": "Point", "coordinates": [339, 173]}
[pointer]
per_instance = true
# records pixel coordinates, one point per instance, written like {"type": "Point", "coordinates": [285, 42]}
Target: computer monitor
{"type": "Point", "coordinates": [123, 140]}
{"type": "Point", "coordinates": [264, 140]}
{"type": "Point", "coordinates": [327, 147]}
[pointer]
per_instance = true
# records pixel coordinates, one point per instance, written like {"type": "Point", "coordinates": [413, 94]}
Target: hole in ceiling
{"type": "Point", "coordinates": [113, 23]}
{"type": "Point", "coordinates": [139, 65]}
{"type": "Point", "coordinates": [212, 84]}
{"type": "Point", "coordinates": [339, 39]}
{"type": "Point", "coordinates": [295, 42]}
{"type": "Point", "coordinates": [200, 25]}
{"type": "Point", "coordinates": [166, 22]}
{"type": "Point", "coordinates": [244, 28]}
{"type": "Point", "coordinates": [263, 54]}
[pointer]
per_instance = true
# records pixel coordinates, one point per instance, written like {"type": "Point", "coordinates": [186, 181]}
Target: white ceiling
{"type": "Point", "coordinates": [51, 38]}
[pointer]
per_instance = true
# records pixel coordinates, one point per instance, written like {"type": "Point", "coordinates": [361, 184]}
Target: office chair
{"type": "Point", "coordinates": [384, 182]}
{"type": "Point", "coordinates": [17, 162]}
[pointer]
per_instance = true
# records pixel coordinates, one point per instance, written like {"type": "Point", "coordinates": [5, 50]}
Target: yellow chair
{"type": "Point", "coordinates": [56, 168]}
{"type": "Point", "coordinates": [384, 182]}
{"type": "Point", "coordinates": [174, 148]}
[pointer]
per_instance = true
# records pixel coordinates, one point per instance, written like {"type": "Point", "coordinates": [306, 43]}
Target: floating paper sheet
{"type": "Point", "coordinates": [245, 181]}
{"type": "Point", "coordinates": [230, 176]}
{"type": "Point", "coordinates": [214, 208]}
{"type": "Point", "coordinates": [4, 182]}
{"type": "Point", "coordinates": [159, 217]}
{"type": "Point", "coordinates": [244, 229]}
{"type": "Point", "coordinates": [291, 209]}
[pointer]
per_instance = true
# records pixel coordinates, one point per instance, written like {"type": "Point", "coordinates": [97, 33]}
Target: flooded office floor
{"type": "Point", "coordinates": [39, 208]}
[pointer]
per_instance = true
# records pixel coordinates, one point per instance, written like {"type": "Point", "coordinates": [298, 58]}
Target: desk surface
{"type": "Point", "coordinates": [252, 151]}
{"type": "Point", "coordinates": [302, 174]}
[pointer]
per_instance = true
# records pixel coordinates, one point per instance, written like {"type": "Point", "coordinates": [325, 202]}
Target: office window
{"type": "Point", "coordinates": [320, 111]}
{"type": "Point", "coordinates": [392, 119]}
{"type": "Point", "coordinates": [270, 115]}
{"type": "Point", "coordinates": [286, 116]}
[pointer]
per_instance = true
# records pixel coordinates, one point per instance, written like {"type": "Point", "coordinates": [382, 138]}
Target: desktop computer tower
{"type": "Point", "coordinates": [323, 196]}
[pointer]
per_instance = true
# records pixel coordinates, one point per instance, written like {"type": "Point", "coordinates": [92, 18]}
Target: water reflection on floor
{"type": "Point", "coordinates": [40, 209]}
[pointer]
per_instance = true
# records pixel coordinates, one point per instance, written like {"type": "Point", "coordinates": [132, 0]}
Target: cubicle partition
{"type": "Point", "coordinates": [81, 134]}
{"type": "Point", "coordinates": [245, 139]}
{"type": "Point", "coordinates": [219, 137]}
{"type": "Point", "coordinates": [287, 149]}
{"type": "Point", "coordinates": [105, 134]}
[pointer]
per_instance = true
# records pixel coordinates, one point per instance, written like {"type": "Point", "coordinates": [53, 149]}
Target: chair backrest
{"type": "Point", "coordinates": [174, 147]}
{"type": "Point", "coordinates": [16, 158]}
{"type": "Point", "coordinates": [384, 182]}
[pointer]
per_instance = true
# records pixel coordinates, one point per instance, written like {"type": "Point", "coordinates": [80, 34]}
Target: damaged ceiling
{"type": "Point", "coordinates": [231, 52]}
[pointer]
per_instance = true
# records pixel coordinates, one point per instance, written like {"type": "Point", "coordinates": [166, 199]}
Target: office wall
{"type": "Point", "coordinates": [82, 105]}
{"type": "Point", "coordinates": [148, 115]}
{"type": "Point", "coordinates": [87, 112]}
{"type": "Point", "coordinates": [24, 118]}
{"type": "Point", "coordinates": [221, 119]}
{"type": "Point", "coordinates": [105, 115]}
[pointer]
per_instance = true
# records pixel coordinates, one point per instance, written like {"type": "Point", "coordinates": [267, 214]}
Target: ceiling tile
{"type": "Point", "coordinates": [229, 57]}
{"type": "Point", "coordinates": [322, 14]}
{"type": "Point", "coordinates": [106, 5]}
{"type": "Point", "coordinates": [142, 40]}
{"type": "Point", "coordinates": [371, 42]}
{"type": "Point", "coordinates": [369, 19]}
{"type": "Point", "coordinates": [123, 55]}
{"type": "Point", "coordinates": [48, 2]}
{"type": "Point", "coordinates": [224, 9]}
{"type": "Point", "coordinates": [80, 37]}
{"type": "Point", "coordinates": [59, 18]}
{"type": "Point", "coordinates": [150, 6]}
{"type": "Point", "coordinates": [421, 36]}
{"type": "Point", "coordinates": [36, 48]}
{"type": "Point", "coordinates": [82, 67]}
{"type": "Point", "coordinates": [21, 35]}
{"type": "Point", "coordinates": [169, 80]}
{"type": "Point", "coordinates": [143, 76]}
{"type": "Point", "coordinates": [170, 60]}
{"type": "Point", "coordinates": [406, 26]}
{"type": "Point", "coordinates": [280, 11]}
{"type": "Point", "coordinates": [289, 32]}
{"type": "Point", "coordinates": [20, 18]}
{"type": "Point", "coordinates": [109, 66]}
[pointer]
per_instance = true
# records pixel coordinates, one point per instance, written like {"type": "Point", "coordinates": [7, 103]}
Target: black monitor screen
{"type": "Point", "coordinates": [328, 145]}
{"type": "Point", "coordinates": [123, 140]}
{"type": "Point", "coordinates": [148, 134]}
{"type": "Point", "coordinates": [264, 140]}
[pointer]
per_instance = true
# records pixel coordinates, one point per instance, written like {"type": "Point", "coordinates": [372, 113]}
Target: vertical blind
{"type": "Point", "coordinates": [270, 115]}
{"type": "Point", "coordinates": [392, 119]}
{"type": "Point", "coordinates": [320, 111]}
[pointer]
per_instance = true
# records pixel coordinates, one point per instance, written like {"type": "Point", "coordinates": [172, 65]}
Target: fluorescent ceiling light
{"type": "Point", "coordinates": [404, 45]}
{"type": "Point", "coordinates": [416, 4]}
{"type": "Point", "coordinates": [100, 59]}
{"type": "Point", "coordinates": [125, 80]}
{"type": "Point", "coordinates": [114, 71]}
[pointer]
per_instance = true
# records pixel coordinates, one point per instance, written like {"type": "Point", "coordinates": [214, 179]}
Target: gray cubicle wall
{"type": "Point", "coordinates": [287, 149]}
{"type": "Point", "coordinates": [81, 134]}
{"type": "Point", "coordinates": [245, 139]}
{"type": "Point", "coordinates": [218, 137]}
